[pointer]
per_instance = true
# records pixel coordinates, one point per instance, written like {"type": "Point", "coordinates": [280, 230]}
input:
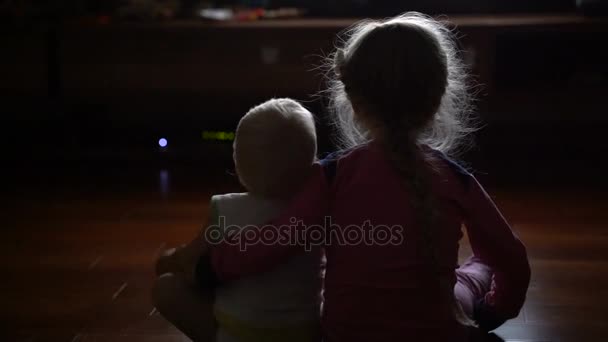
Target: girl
{"type": "Point", "coordinates": [400, 106]}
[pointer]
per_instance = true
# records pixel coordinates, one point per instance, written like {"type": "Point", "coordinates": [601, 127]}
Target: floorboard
{"type": "Point", "coordinates": [78, 254]}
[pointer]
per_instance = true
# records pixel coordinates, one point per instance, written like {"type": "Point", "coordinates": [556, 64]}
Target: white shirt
{"type": "Point", "coordinates": [287, 295]}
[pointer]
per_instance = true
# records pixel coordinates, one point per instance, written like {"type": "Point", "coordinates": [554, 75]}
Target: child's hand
{"type": "Point", "coordinates": [181, 260]}
{"type": "Point", "coordinates": [169, 262]}
{"type": "Point", "coordinates": [486, 316]}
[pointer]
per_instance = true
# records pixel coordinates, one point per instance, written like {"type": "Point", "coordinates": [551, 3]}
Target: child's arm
{"type": "Point", "coordinates": [239, 255]}
{"type": "Point", "coordinates": [184, 259]}
{"type": "Point", "coordinates": [493, 241]}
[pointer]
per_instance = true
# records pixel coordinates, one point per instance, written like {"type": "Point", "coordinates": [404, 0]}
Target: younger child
{"type": "Point", "coordinates": [274, 150]}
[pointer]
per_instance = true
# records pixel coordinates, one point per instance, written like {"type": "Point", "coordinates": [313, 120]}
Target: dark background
{"type": "Point", "coordinates": [89, 198]}
{"type": "Point", "coordinates": [83, 84]}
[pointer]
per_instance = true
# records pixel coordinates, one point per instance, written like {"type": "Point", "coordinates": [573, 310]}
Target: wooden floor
{"type": "Point", "coordinates": [78, 250]}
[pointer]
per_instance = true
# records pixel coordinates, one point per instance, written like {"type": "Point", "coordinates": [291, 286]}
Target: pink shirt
{"type": "Point", "coordinates": [379, 292]}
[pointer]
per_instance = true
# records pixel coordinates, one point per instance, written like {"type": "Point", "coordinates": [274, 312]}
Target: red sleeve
{"type": "Point", "coordinates": [493, 241]}
{"type": "Point", "coordinates": [253, 252]}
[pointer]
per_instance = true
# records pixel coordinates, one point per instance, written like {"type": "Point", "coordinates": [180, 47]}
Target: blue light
{"type": "Point", "coordinates": [163, 142]}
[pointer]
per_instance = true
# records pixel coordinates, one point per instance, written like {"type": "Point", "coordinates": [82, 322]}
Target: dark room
{"type": "Point", "coordinates": [304, 170]}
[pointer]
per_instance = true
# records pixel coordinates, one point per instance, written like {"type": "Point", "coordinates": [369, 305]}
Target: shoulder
{"type": "Point", "coordinates": [454, 167]}
{"type": "Point", "coordinates": [228, 198]}
{"type": "Point", "coordinates": [345, 155]}
{"type": "Point", "coordinates": [244, 198]}
{"type": "Point", "coordinates": [223, 202]}
{"type": "Point", "coordinates": [332, 161]}
{"type": "Point", "coordinates": [244, 205]}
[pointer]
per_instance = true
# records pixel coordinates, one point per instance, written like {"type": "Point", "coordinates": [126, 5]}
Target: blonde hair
{"type": "Point", "coordinates": [275, 147]}
{"type": "Point", "coordinates": [388, 52]}
{"type": "Point", "coordinates": [400, 82]}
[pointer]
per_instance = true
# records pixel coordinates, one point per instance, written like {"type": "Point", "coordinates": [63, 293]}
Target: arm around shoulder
{"type": "Point", "coordinates": [250, 251]}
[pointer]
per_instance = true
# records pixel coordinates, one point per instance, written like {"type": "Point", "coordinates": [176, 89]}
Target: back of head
{"type": "Point", "coordinates": [400, 77]}
{"type": "Point", "coordinates": [275, 147]}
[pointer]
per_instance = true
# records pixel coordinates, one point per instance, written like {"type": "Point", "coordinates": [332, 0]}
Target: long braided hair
{"type": "Point", "coordinates": [401, 83]}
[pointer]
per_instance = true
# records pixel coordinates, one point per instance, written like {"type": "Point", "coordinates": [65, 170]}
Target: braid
{"type": "Point", "coordinates": [413, 165]}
